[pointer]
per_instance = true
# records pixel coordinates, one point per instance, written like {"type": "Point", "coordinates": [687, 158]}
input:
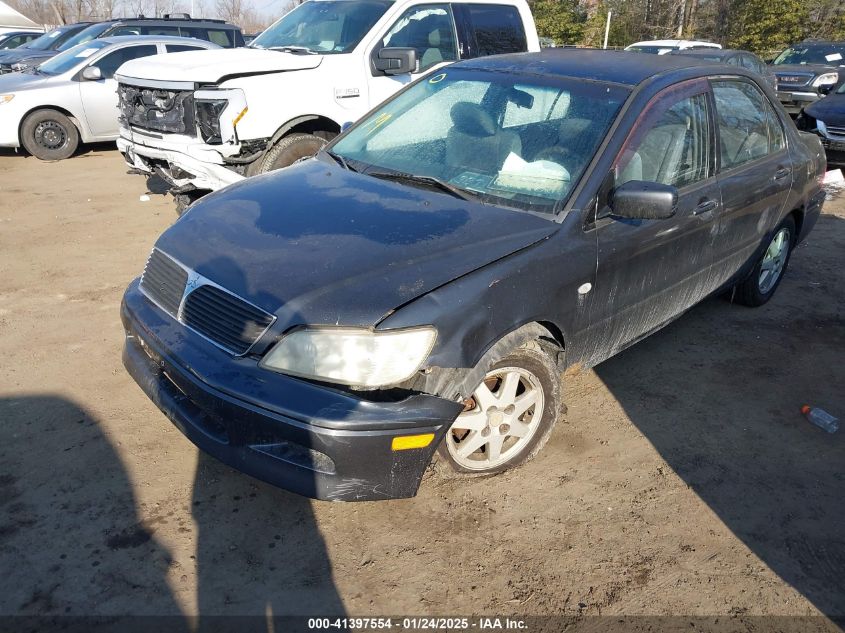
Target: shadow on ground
{"type": "Point", "coordinates": [776, 481]}
{"type": "Point", "coordinates": [71, 525]}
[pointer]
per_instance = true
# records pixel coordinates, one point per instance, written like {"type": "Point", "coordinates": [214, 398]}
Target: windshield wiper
{"type": "Point", "coordinates": [293, 49]}
{"type": "Point", "coordinates": [340, 160]}
{"type": "Point", "coordinates": [423, 180]}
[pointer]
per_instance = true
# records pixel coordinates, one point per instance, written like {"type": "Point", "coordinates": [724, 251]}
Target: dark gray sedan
{"type": "Point", "coordinates": [421, 285]}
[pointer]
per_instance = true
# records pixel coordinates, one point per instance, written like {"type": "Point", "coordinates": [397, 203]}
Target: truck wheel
{"type": "Point", "coordinates": [761, 284]}
{"type": "Point", "coordinates": [289, 150]}
{"type": "Point", "coordinates": [49, 135]}
{"type": "Point", "coordinates": [509, 416]}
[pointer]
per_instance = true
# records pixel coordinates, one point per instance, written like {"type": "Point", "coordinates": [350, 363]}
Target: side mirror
{"type": "Point", "coordinates": [92, 73]}
{"type": "Point", "coordinates": [396, 61]}
{"type": "Point", "coordinates": [640, 200]}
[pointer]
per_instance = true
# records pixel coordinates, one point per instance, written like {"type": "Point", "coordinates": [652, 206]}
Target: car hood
{"type": "Point", "coordinates": [831, 110]}
{"type": "Point", "coordinates": [215, 65]}
{"type": "Point", "coordinates": [13, 82]}
{"type": "Point", "coordinates": [316, 244]}
{"type": "Point", "coordinates": [796, 69]}
{"type": "Point", "coordinates": [15, 56]}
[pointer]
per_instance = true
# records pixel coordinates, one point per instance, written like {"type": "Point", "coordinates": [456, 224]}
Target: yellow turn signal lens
{"type": "Point", "coordinates": [239, 117]}
{"type": "Point", "coordinates": [405, 442]}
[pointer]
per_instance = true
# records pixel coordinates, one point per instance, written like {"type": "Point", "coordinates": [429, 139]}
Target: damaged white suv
{"type": "Point", "coordinates": [205, 120]}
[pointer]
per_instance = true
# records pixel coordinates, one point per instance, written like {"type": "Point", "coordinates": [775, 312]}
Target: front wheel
{"type": "Point", "coordinates": [289, 150]}
{"type": "Point", "coordinates": [49, 135]}
{"type": "Point", "coordinates": [509, 416]}
{"type": "Point", "coordinates": [761, 284]}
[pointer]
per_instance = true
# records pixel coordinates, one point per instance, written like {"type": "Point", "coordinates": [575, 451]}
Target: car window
{"type": "Point", "coordinates": [430, 30]}
{"type": "Point", "coordinates": [734, 61]}
{"type": "Point", "coordinates": [671, 142]}
{"type": "Point", "coordinates": [126, 30]}
{"type": "Point", "coordinates": [12, 42]}
{"type": "Point", "coordinates": [109, 64]}
{"type": "Point", "coordinates": [161, 30]}
{"type": "Point", "coordinates": [221, 37]}
{"type": "Point", "coordinates": [498, 29]}
{"type": "Point", "coordinates": [747, 130]}
{"type": "Point", "coordinates": [182, 48]}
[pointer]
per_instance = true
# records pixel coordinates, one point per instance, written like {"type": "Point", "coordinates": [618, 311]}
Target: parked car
{"type": "Point", "coordinates": [249, 38]}
{"type": "Point", "coordinates": [661, 47]}
{"type": "Point", "coordinates": [175, 25]}
{"type": "Point", "coordinates": [333, 60]}
{"type": "Point", "coordinates": [826, 118]}
{"type": "Point", "coordinates": [808, 71]}
{"type": "Point", "coordinates": [422, 283]}
{"type": "Point", "coordinates": [48, 43]}
{"type": "Point", "coordinates": [73, 96]}
{"type": "Point", "coordinates": [732, 57]}
{"type": "Point", "coordinates": [14, 39]}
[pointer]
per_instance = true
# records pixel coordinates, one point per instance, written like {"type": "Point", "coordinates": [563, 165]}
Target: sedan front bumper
{"type": "Point", "coordinates": [311, 439]}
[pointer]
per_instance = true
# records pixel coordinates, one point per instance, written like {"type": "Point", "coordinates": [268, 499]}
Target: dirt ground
{"type": "Point", "coordinates": [683, 480]}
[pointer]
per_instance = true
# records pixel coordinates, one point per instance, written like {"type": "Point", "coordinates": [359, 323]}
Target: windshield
{"type": "Point", "coordinates": [517, 141]}
{"type": "Point", "coordinates": [85, 35]}
{"type": "Point", "coordinates": [828, 55]}
{"type": "Point", "coordinates": [324, 26]}
{"type": "Point", "coordinates": [49, 41]}
{"type": "Point", "coordinates": [70, 59]}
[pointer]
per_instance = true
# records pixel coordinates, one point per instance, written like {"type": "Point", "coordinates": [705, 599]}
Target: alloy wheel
{"type": "Point", "coordinates": [774, 261]}
{"type": "Point", "coordinates": [498, 421]}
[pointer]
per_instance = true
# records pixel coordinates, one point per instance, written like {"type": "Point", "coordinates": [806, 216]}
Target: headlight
{"type": "Point", "coordinates": [6, 98]}
{"type": "Point", "coordinates": [355, 357]}
{"type": "Point", "coordinates": [827, 79]}
{"type": "Point", "coordinates": [208, 118]}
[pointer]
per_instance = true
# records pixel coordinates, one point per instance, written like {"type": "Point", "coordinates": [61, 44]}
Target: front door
{"type": "Point", "coordinates": [427, 28]}
{"type": "Point", "coordinates": [649, 271]}
{"type": "Point", "coordinates": [99, 98]}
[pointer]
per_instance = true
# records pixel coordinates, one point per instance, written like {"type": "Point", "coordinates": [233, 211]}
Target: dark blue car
{"type": "Point", "coordinates": [420, 286]}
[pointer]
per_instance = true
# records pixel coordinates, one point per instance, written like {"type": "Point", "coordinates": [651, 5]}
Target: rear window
{"type": "Point", "coordinates": [182, 48]}
{"type": "Point", "coordinates": [497, 28]}
{"type": "Point", "coordinates": [161, 30]}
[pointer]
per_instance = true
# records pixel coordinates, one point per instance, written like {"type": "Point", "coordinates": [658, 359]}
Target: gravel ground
{"type": "Point", "coordinates": [683, 481]}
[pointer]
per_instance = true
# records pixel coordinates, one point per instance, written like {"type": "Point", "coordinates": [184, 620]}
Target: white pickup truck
{"type": "Point", "coordinates": [207, 119]}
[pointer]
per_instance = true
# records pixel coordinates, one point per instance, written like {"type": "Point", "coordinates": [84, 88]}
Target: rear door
{"type": "Point", "coordinates": [99, 98]}
{"type": "Point", "coordinates": [755, 171]}
{"type": "Point", "coordinates": [650, 271]}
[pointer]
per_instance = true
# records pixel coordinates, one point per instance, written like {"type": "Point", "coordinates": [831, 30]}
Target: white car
{"type": "Point", "coordinates": [661, 47]}
{"type": "Point", "coordinates": [238, 112]}
{"type": "Point", "coordinates": [73, 96]}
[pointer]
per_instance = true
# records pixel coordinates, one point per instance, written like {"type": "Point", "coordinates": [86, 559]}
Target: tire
{"type": "Point", "coordinates": [289, 150]}
{"type": "Point", "coordinates": [757, 288]}
{"type": "Point", "coordinates": [49, 135]}
{"type": "Point", "coordinates": [185, 200]}
{"type": "Point", "coordinates": [535, 370]}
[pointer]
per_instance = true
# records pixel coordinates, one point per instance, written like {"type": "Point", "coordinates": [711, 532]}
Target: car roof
{"type": "Point", "coordinates": [621, 67]}
{"type": "Point", "coordinates": [710, 52]}
{"type": "Point", "coordinates": [169, 20]}
{"type": "Point", "coordinates": [668, 42]}
{"type": "Point", "coordinates": [164, 39]}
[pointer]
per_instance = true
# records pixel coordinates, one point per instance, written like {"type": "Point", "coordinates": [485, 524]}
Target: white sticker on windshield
{"type": "Point", "coordinates": [54, 34]}
{"type": "Point", "coordinates": [86, 53]}
{"type": "Point", "coordinates": [833, 57]}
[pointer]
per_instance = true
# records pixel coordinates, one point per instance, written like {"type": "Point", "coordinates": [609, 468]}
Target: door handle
{"type": "Point", "coordinates": [705, 207]}
{"type": "Point", "coordinates": [782, 173]}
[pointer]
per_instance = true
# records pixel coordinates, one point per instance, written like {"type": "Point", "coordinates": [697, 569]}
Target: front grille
{"type": "Point", "coordinates": [794, 80]}
{"type": "Point", "coordinates": [836, 130]}
{"type": "Point", "coordinates": [164, 281]}
{"type": "Point", "coordinates": [224, 318]}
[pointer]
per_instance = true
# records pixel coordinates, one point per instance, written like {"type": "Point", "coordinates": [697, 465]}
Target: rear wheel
{"type": "Point", "coordinates": [49, 135]}
{"type": "Point", "coordinates": [764, 280]}
{"type": "Point", "coordinates": [289, 150]}
{"type": "Point", "coordinates": [509, 416]}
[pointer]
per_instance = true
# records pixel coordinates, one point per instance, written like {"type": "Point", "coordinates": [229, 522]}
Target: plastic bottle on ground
{"type": "Point", "coordinates": [821, 418]}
